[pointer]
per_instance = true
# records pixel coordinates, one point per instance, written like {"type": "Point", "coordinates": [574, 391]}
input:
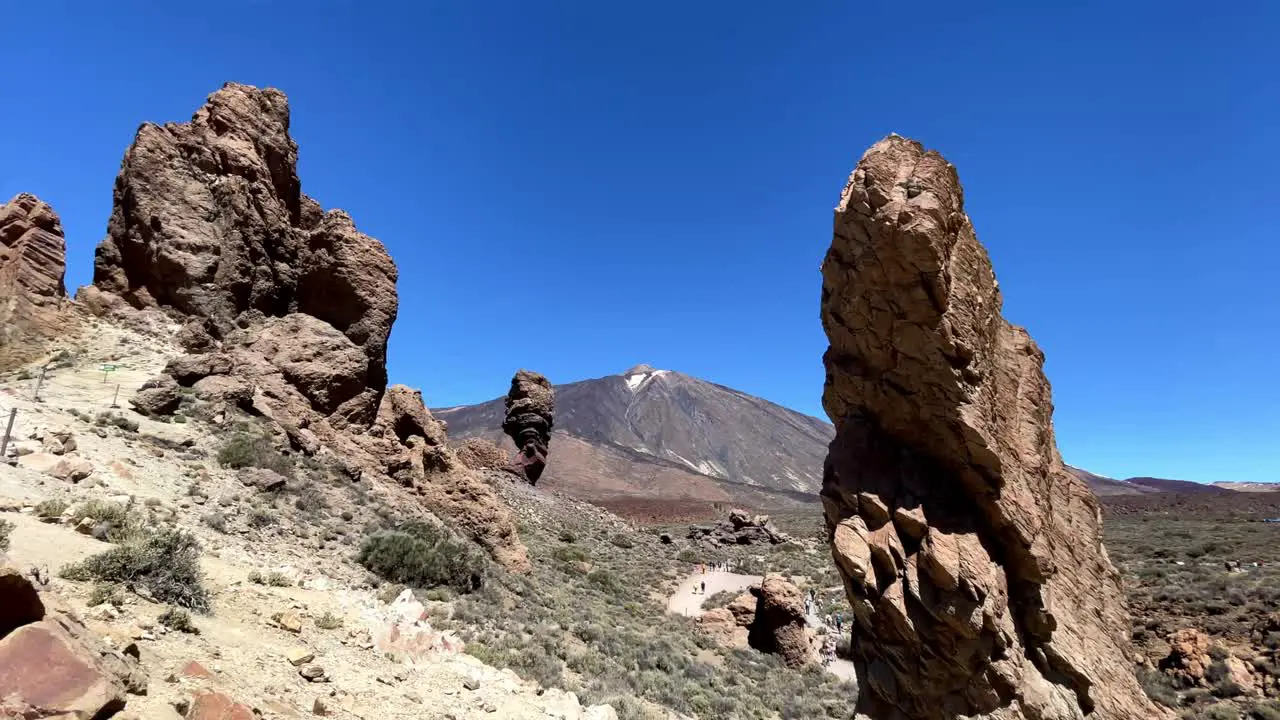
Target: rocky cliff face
{"type": "Point", "coordinates": [286, 308]}
{"type": "Point", "coordinates": [32, 268]}
{"type": "Point", "coordinates": [972, 559]}
{"type": "Point", "coordinates": [210, 221]}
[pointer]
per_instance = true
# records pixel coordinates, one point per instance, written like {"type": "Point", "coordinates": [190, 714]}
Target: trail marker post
{"type": "Point", "coordinates": [8, 430]}
{"type": "Point", "coordinates": [106, 369]}
{"type": "Point", "coordinates": [35, 396]}
{"type": "Point", "coordinates": [116, 396]}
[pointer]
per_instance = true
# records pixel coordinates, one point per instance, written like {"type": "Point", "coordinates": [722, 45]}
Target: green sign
{"type": "Point", "coordinates": [107, 368]}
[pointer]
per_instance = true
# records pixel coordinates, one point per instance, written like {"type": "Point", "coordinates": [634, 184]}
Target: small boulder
{"type": "Point", "coordinates": [44, 667]}
{"type": "Point", "coordinates": [210, 705]}
{"type": "Point", "coordinates": [157, 396]}
{"type": "Point", "coordinates": [299, 656]}
{"type": "Point", "coordinates": [780, 625]}
{"type": "Point", "coordinates": [72, 468]}
{"type": "Point", "coordinates": [21, 602]}
{"type": "Point", "coordinates": [262, 479]}
{"type": "Point", "coordinates": [312, 673]}
{"type": "Point", "coordinates": [288, 620]}
{"type": "Point", "coordinates": [188, 369]}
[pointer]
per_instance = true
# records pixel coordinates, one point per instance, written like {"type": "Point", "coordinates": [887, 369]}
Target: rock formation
{"type": "Point", "coordinates": [741, 528]}
{"type": "Point", "coordinates": [530, 405]}
{"type": "Point", "coordinates": [210, 222]}
{"type": "Point", "coordinates": [285, 308]}
{"type": "Point", "coordinates": [973, 560]}
{"type": "Point", "coordinates": [779, 624]}
{"type": "Point", "coordinates": [32, 268]}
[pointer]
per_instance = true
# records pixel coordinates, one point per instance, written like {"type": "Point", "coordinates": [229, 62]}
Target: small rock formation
{"type": "Point", "coordinates": [50, 664]}
{"type": "Point", "coordinates": [730, 626]}
{"type": "Point", "coordinates": [530, 405]}
{"type": "Point", "coordinates": [32, 269]}
{"type": "Point", "coordinates": [779, 624]}
{"type": "Point", "coordinates": [741, 528]}
{"type": "Point", "coordinates": [972, 559]}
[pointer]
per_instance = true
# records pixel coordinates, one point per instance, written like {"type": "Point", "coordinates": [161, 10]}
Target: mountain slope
{"type": "Point", "coordinates": [658, 433]}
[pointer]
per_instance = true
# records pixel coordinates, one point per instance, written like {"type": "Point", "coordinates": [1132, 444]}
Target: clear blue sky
{"type": "Point", "coordinates": [578, 187]}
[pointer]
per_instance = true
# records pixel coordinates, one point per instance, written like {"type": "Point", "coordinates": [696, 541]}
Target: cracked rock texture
{"type": "Point", "coordinates": [972, 559]}
{"type": "Point", "coordinates": [32, 268]}
{"type": "Point", "coordinates": [210, 221]}
{"type": "Point", "coordinates": [531, 402]}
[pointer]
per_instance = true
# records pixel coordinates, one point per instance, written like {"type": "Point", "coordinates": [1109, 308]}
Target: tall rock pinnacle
{"type": "Point", "coordinates": [530, 404]}
{"type": "Point", "coordinates": [32, 268]}
{"type": "Point", "coordinates": [973, 561]}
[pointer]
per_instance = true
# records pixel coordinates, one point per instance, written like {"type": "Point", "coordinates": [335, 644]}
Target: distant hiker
{"type": "Point", "coordinates": [704, 587]}
{"type": "Point", "coordinates": [839, 622]}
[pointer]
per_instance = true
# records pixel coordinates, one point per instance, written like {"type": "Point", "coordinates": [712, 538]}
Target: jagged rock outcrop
{"type": "Point", "coordinates": [32, 269]}
{"type": "Point", "coordinates": [741, 528]}
{"type": "Point", "coordinates": [210, 221]}
{"type": "Point", "coordinates": [285, 309]}
{"type": "Point", "coordinates": [972, 559]}
{"type": "Point", "coordinates": [779, 624]}
{"type": "Point", "coordinates": [530, 404]}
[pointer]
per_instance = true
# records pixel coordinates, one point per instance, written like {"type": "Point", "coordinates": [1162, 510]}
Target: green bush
{"type": "Point", "coordinates": [568, 536]}
{"type": "Point", "coordinates": [622, 541]}
{"type": "Point", "coordinates": [51, 508]}
{"type": "Point", "coordinates": [243, 450]}
{"type": "Point", "coordinates": [261, 517]}
{"type": "Point", "coordinates": [106, 593]}
{"type": "Point", "coordinates": [215, 520]}
{"type": "Point", "coordinates": [328, 621]}
{"type": "Point", "coordinates": [165, 563]}
{"type": "Point", "coordinates": [687, 555]}
{"type": "Point", "coordinates": [424, 555]}
{"type": "Point", "coordinates": [178, 619]}
{"type": "Point", "coordinates": [113, 522]}
{"type": "Point", "coordinates": [6, 527]}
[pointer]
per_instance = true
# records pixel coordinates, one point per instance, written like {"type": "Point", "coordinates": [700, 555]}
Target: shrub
{"type": "Point", "coordinates": [570, 554]}
{"type": "Point", "coordinates": [1222, 711]}
{"type": "Point", "coordinates": [215, 520]}
{"type": "Point", "coordinates": [117, 420]}
{"type": "Point", "coordinates": [106, 593]}
{"type": "Point", "coordinates": [273, 578]}
{"type": "Point", "coordinates": [6, 527]}
{"type": "Point", "coordinates": [51, 508]}
{"type": "Point", "coordinates": [328, 621]}
{"type": "Point", "coordinates": [112, 521]}
{"type": "Point", "coordinates": [164, 563]}
{"type": "Point", "coordinates": [605, 580]}
{"type": "Point", "coordinates": [423, 555]}
{"type": "Point", "coordinates": [622, 541]}
{"type": "Point", "coordinates": [178, 619]}
{"type": "Point", "coordinates": [568, 536]}
{"type": "Point", "coordinates": [687, 555]}
{"type": "Point", "coordinates": [244, 449]}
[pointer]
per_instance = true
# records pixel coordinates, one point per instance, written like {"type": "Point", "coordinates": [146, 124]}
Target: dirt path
{"type": "Point", "coordinates": [685, 602]}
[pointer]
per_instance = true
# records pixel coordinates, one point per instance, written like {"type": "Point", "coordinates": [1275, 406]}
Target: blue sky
{"type": "Point", "coordinates": [578, 187]}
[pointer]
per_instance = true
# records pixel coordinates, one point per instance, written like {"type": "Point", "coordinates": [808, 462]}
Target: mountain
{"type": "Point", "coordinates": [1103, 486]}
{"type": "Point", "coordinates": [650, 433]}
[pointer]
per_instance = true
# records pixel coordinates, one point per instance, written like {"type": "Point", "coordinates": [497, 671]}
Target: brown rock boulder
{"type": "Point", "coordinates": [45, 668]}
{"type": "Point", "coordinates": [720, 625]}
{"type": "Point", "coordinates": [32, 269]}
{"type": "Point", "coordinates": [157, 396]}
{"type": "Point", "coordinates": [1188, 657]}
{"type": "Point", "coordinates": [211, 705]}
{"type": "Point", "coordinates": [530, 407]}
{"type": "Point", "coordinates": [19, 602]}
{"type": "Point", "coordinates": [779, 624]}
{"type": "Point", "coordinates": [973, 561]}
{"type": "Point", "coordinates": [403, 414]}
{"type": "Point", "coordinates": [187, 370]}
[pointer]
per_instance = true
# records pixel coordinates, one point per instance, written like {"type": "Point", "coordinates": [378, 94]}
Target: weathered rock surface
{"type": "Point", "coordinates": [530, 407]}
{"type": "Point", "coordinates": [157, 396]}
{"type": "Point", "coordinates": [972, 559]}
{"type": "Point", "coordinates": [480, 454]}
{"type": "Point", "coordinates": [32, 269]}
{"type": "Point", "coordinates": [209, 220]}
{"type": "Point", "coordinates": [741, 528]}
{"type": "Point", "coordinates": [779, 623]}
{"type": "Point", "coordinates": [50, 665]}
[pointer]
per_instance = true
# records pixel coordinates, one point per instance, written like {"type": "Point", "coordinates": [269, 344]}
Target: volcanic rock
{"type": "Point", "coordinates": [973, 560]}
{"type": "Point", "coordinates": [530, 405]}
{"type": "Point", "coordinates": [779, 625]}
{"type": "Point", "coordinates": [209, 221]}
{"type": "Point", "coordinates": [480, 454]}
{"type": "Point", "coordinates": [32, 268]}
{"type": "Point", "coordinates": [157, 396]}
{"type": "Point", "coordinates": [741, 528]}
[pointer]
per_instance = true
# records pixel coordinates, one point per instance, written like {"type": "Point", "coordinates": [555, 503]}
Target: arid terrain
{"type": "Point", "coordinates": [215, 504]}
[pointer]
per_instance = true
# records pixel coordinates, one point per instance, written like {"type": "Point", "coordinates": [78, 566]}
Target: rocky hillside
{"type": "Point", "coordinates": [659, 433]}
{"type": "Point", "coordinates": [1103, 486]}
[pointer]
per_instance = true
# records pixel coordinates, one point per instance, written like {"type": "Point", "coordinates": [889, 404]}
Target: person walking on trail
{"type": "Point", "coordinates": [839, 622]}
{"type": "Point", "coordinates": [704, 587]}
